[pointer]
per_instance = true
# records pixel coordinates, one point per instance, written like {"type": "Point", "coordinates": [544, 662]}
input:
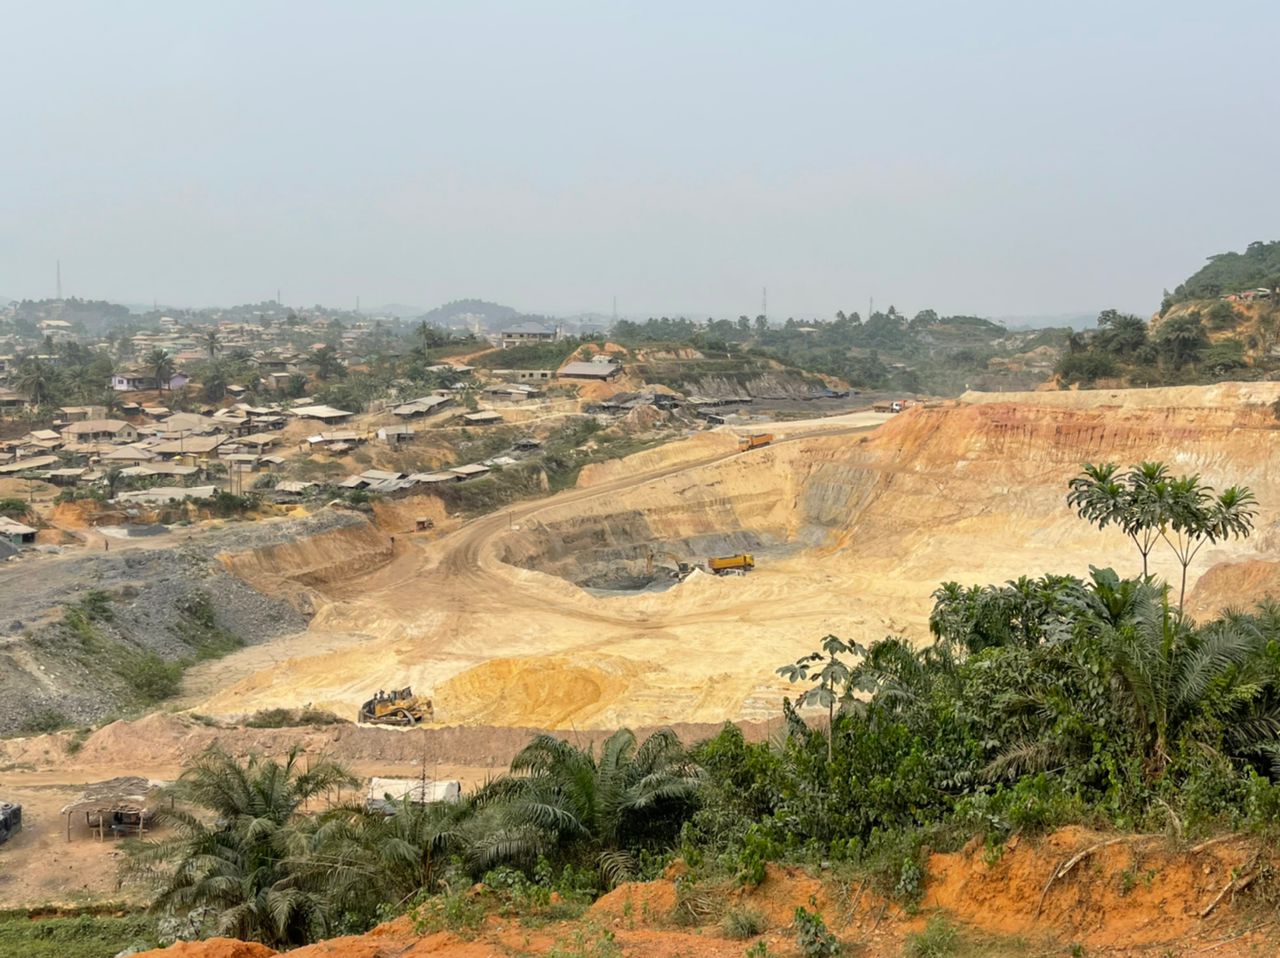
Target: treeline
{"type": "Point", "coordinates": [1177, 351]}
{"type": "Point", "coordinates": [1257, 267]}
{"type": "Point", "coordinates": [1038, 703]}
{"type": "Point", "coordinates": [847, 347]}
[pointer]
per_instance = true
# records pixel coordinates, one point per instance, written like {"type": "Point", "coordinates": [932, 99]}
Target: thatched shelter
{"type": "Point", "coordinates": [119, 806]}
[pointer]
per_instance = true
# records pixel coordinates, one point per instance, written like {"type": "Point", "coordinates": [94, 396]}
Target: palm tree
{"type": "Point", "coordinates": [35, 381]}
{"type": "Point", "coordinates": [161, 365]}
{"type": "Point", "coordinates": [365, 860]}
{"type": "Point", "coordinates": [560, 798]}
{"type": "Point", "coordinates": [112, 479]}
{"type": "Point", "coordinates": [1176, 679]}
{"type": "Point", "coordinates": [211, 342]}
{"type": "Point", "coordinates": [230, 866]}
{"type": "Point", "coordinates": [1162, 690]}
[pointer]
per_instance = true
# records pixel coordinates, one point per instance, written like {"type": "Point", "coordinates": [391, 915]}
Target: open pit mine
{"type": "Point", "coordinates": [569, 612]}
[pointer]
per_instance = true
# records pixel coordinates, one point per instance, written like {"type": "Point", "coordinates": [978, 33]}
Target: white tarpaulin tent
{"type": "Point", "coordinates": [385, 791]}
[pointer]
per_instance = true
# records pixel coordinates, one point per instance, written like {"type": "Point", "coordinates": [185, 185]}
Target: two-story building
{"type": "Point", "coordinates": [526, 333]}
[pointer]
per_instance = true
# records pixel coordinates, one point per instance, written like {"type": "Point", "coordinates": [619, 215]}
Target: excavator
{"type": "Point", "coordinates": [682, 568]}
{"type": "Point", "coordinates": [397, 707]}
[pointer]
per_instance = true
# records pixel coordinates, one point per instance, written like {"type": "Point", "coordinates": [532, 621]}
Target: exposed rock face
{"type": "Point", "coordinates": [159, 599]}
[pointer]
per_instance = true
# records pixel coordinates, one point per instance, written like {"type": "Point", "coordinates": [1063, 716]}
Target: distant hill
{"type": "Point", "coordinates": [489, 312]}
{"type": "Point", "coordinates": [1258, 265]}
{"type": "Point", "coordinates": [1019, 322]}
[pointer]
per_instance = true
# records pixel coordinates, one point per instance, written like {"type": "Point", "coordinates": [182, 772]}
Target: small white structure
{"type": "Point", "coordinates": [384, 793]}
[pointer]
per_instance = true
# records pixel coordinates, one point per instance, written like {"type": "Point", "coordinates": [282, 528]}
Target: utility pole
{"type": "Point", "coordinates": [59, 280]}
{"type": "Point", "coordinates": [615, 310]}
{"type": "Point", "coordinates": [764, 301]}
{"type": "Point", "coordinates": [871, 307]}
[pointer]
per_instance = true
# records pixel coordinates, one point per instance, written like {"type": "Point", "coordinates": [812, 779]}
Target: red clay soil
{"type": "Point", "coordinates": [215, 948]}
{"type": "Point", "coordinates": [1109, 895]}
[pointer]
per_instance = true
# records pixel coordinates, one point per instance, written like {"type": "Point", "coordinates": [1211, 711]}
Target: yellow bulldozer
{"type": "Point", "coordinates": [397, 707]}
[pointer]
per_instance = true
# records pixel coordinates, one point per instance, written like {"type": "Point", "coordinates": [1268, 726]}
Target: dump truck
{"type": "Point", "coordinates": [10, 820]}
{"type": "Point", "coordinates": [397, 707]}
{"type": "Point", "coordinates": [746, 443]}
{"type": "Point", "coordinates": [739, 563]}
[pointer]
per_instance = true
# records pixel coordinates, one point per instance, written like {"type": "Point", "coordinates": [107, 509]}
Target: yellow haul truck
{"type": "Point", "coordinates": [739, 563]}
{"type": "Point", "coordinates": [746, 443]}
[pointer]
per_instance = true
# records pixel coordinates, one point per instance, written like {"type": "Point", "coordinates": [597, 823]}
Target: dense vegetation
{"type": "Point", "coordinates": [1179, 350]}
{"type": "Point", "coordinates": [927, 352]}
{"type": "Point", "coordinates": [1258, 266]}
{"type": "Point", "coordinates": [88, 935]}
{"type": "Point", "coordinates": [1040, 702]}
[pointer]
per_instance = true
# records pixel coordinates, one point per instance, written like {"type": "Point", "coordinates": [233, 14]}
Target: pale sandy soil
{"type": "Point", "coordinates": [497, 644]}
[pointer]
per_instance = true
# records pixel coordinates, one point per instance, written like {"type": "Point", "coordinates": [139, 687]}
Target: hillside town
{"type": "Point", "coordinates": [154, 417]}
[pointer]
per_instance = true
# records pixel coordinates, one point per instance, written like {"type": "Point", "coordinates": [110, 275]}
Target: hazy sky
{"type": "Point", "coordinates": [997, 158]}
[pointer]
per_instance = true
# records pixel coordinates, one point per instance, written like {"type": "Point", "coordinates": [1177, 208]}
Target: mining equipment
{"type": "Point", "coordinates": [10, 820]}
{"type": "Point", "coordinates": [747, 443]}
{"type": "Point", "coordinates": [397, 707]}
{"type": "Point", "coordinates": [739, 563]}
{"type": "Point", "coordinates": [682, 568]}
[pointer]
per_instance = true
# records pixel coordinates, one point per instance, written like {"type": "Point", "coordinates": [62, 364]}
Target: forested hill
{"type": "Point", "coordinates": [1258, 266]}
{"type": "Point", "coordinates": [491, 312]}
{"type": "Point", "coordinates": [923, 353]}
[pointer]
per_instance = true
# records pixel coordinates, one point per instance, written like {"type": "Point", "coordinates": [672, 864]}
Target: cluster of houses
{"type": "Point", "coordinates": [179, 445]}
{"type": "Point", "coordinates": [385, 481]}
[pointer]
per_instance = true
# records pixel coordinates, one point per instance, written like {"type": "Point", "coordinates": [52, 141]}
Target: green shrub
{"type": "Point", "coordinates": [43, 721]}
{"type": "Point", "coordinates": [742, 921]}
{"type": "Point", "coordinates": [587, 943]}
{"type": "Point", "coordinates": [813, 939]}
{"type": "Point", "coordinates": [291, 718]}
{"type": "Point", "coordinates": [937, 940]}
{"type": "Point", "coordinates": [12, 508]}
{"type": "Point", "coordinates": [459, 912]}
{"type": "Point", "coordinates": [151, 678]}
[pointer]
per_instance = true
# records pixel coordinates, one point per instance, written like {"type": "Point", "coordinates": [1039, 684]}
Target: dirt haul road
{"type": "Point", "coordinates": [504, 645]}
{"type": "Point", "coordinates": [505, 624]}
